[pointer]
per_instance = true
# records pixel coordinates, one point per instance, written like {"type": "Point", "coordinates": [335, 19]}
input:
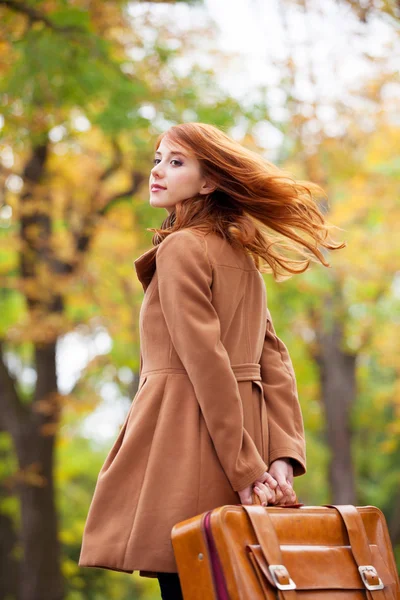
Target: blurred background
{"type": "Point", "coordinates": [85, 88]}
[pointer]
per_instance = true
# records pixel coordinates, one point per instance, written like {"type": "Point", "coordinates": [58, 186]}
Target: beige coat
{"type": "Point", "coordinates": [216, 403]}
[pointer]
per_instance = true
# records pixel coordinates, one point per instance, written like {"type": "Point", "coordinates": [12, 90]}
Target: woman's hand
{"type": "Point", "coordinates": [282, 471]}
{"type": "Point", "coordinates": [274, 486]}
{"type": "Point", "coordinates": [264, 487]}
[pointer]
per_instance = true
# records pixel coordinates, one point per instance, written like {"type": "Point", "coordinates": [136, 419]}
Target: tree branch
{"type": "Point", "coordinates": [137, 180]}
{"type": "Point", "coordinates": [35, 15]}
{"type": "Point", "coordinates": [116, 163]}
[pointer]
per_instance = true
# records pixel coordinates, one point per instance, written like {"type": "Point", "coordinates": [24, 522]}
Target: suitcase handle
{"type": "Point", "coordinates": [256, 500]}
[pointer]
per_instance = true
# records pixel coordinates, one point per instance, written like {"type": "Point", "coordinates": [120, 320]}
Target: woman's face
{"type": "Point", "coordinates": [176, 176]}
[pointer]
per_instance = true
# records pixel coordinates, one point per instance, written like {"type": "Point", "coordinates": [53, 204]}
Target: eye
{"type": "Point", "coordinates": [174, 160]}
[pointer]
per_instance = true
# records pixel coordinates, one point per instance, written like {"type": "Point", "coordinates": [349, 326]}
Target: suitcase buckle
{"type": "Point", "coordinates": [281, 577]}
{"type": "Point", "coordinates": [370, 578]}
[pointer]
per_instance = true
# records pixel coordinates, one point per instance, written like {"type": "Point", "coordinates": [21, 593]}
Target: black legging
{"type": "Point", "coordinates": [170, 586]}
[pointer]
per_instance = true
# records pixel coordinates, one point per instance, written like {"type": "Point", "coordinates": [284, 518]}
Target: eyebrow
{"type": "Point", "coordinates": [172, 153]}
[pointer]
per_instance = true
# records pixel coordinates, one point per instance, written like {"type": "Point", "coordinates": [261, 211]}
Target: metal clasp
{"type": "Point", "coordinates": [375, 582]}
{"type": "Point", "coordinates": [281, 572]}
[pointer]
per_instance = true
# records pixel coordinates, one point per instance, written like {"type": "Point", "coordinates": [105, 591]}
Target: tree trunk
{"type": "Point", "coordinates": [8, 540]}
{"type": "Point", "coordinates": [40, 570]}
{"type": "Point", "coordinates": [33, 429]}
{"type": "Point", "coordinates": [394, 522]}
{"type": "Point", "coordinates": [337, 371]}
{"type": "Point", "coordinates": [41, 578]}
{"type": "Point", "coordinates": [33, 426]}
{"type": "Point", "coordinates": [8, 565]}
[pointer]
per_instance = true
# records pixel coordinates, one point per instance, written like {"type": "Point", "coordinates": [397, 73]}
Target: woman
{"type": "Point", "coordinates": [216, 414]}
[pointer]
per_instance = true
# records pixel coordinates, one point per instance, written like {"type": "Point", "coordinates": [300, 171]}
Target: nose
{"type": "Point", "coordinates": [156, 171]}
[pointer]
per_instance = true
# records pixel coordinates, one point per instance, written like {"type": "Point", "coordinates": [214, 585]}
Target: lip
{"type": "Point", "coordinates": [155, 187]}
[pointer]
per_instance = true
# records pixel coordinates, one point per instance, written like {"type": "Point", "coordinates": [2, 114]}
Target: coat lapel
{"type": "Point", "coordinates": [145, 266]}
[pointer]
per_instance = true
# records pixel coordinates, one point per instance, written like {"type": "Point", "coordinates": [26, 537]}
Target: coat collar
{"type": "Point", "coordinates": [145, 266]}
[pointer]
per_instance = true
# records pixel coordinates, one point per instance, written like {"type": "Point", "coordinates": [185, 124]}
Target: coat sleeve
{"type": "Point", "coordinates": [184, 283]}
{"type": "Point", "coordinates": [285, 420]}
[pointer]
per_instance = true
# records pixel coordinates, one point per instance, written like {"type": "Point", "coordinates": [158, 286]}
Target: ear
{"type": "Point", "coordinates": [207, 187]}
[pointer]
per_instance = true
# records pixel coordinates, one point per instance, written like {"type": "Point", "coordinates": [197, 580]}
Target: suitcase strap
{"type": "Point", "coordinates": [361, 551]}
{"type": "Point", "coordinates": [269, 544]}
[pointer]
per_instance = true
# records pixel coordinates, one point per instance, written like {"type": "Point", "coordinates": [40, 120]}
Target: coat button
{"type": "Point", "coordinates": [201, 556]}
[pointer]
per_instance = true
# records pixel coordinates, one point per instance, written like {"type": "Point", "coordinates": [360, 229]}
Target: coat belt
{"type": "Point", "coordinates": [242, 372]}
{"type": "Point", "coordinates": [247, 371]}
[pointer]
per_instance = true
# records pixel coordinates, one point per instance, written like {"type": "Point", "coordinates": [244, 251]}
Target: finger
{"type": "Point", "coordinates": [289, 502]}
{"type": "Point", "coordinates": [293, 498]}
{"type": "Point", "coordinates": [285, 486]}
{"type": "Point", "coordinates": [290, 498]}
{"type": "Point", "coordinates": [268, 494]}
{"type": "Point", "coordinates": [270, 481]}
{"type": "Point", "coordinates": [272, 498]}
{"type": "Point", "coordinates": [290, 482]}
{"type": "Point", "coordinates": [278, 494]}
{"type": "Point", "coordinates": [261, 493]}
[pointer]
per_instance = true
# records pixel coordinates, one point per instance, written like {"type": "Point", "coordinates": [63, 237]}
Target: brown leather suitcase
{"type": "Point", "coordinates": [238, 552]}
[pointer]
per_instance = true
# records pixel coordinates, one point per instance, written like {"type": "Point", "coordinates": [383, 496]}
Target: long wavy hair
{"type": "Point", "coordinates": [256, 205]}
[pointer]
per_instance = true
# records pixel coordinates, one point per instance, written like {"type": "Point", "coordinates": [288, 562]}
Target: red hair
{"type": "Point", "coordinates": [256, 205]}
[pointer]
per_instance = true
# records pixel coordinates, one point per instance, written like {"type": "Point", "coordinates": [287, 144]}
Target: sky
{"type": "Point", "coordinates": [327, 46]}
